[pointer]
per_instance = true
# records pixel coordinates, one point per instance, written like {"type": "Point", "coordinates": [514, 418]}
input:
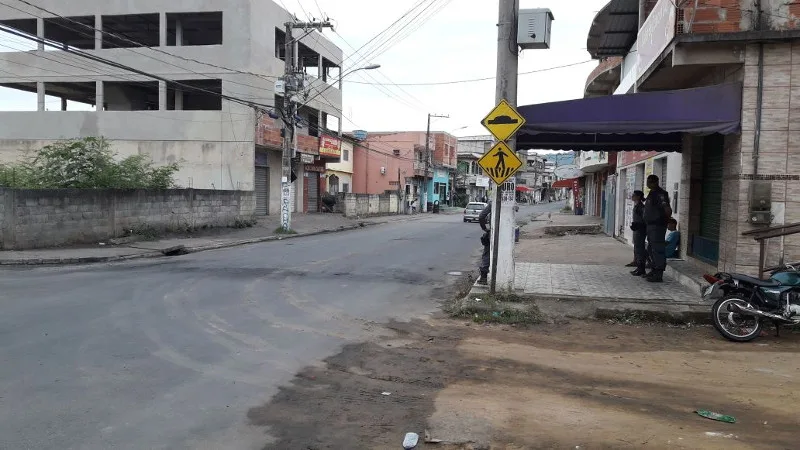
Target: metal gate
{"type": "Point", "coordinates": [313, 192]}
{"type": "Point", "coordinates": [706, 243]}
{"type": "Point", "coordinates": [262, 191]}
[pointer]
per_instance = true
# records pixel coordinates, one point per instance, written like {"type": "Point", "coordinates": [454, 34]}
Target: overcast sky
{"type": "Point", "coordinates": [456, 43]}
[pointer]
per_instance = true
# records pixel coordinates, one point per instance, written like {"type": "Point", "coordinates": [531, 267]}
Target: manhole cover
{"type": "Point", "coordinates": [455, 274]}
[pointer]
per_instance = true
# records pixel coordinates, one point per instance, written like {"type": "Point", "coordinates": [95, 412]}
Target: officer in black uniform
{"type": "Point", "coordinates": [483, 220]}
{"type": "Point", "coordinates": [657, 211]}
{"type": "Point", "coordinates": [639, 234]}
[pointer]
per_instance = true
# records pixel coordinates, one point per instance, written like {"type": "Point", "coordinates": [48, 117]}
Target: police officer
{"type": "Point", "coordinates": [657, 212]}
{"type": "Point", "coordinates": [483, 220]}
{"type": "Point", "coordinates": [639, 234]}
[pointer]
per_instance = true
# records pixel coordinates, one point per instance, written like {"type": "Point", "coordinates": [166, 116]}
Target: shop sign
{"type": "Point", "coordinates": [655, 35]}
{"type": "Point", "coordinates": [627, 158]}
{"type": "Point", "coordinates": [315, 168]}
{"type": "Point", "coordinates": [330, 146]}
{"type": "Point", "coordinates": [306, 159]}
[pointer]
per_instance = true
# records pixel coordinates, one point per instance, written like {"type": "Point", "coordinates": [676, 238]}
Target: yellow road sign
{"type": "Point", "coordinates": [500, 163]}
{"type": "Point", "coordinates": [504, 121]}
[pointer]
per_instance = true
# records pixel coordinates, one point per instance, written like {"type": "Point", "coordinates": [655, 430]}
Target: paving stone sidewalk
{"type": "Point", "coordinates": [596, 282]}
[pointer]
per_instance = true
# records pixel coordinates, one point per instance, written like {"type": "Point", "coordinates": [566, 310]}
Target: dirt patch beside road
{"type": "Point", "coordinates": [587, 384]}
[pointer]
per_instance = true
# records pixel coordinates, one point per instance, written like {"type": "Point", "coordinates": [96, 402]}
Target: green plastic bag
{"type": "Point", "coordinates": [716, 416]}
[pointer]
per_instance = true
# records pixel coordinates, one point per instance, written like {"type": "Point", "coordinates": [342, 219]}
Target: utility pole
{"type": "Point", "coordinates": [505, 89]}
{"type": "Point", "coordinates": [428, 160]}
{"type": "Point", "coordinates": [293, 83]}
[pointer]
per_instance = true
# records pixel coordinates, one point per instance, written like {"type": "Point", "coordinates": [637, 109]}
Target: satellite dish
{"type": "Point", "coordinates": [568, 171]}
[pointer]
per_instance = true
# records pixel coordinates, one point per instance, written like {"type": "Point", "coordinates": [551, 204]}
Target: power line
{"type": "Point", "coordinates": [474, 80]}
{"type": "Point", "coordinates": [130, 69]}
{"type": "Point", "coordinates": [88, 27]}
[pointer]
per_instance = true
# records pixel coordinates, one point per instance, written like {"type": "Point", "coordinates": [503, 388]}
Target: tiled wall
{"type": "Point", "coordinates": [779, 159]}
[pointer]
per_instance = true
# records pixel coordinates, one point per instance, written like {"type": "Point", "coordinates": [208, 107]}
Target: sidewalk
{"type": "Point", "coordinates": [264, 230]}
{"type": "Point", "coordinates": [585, 274]}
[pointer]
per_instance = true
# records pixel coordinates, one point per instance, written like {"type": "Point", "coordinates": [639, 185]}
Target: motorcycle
{"type": "Point", "coordinates": [743, 303]}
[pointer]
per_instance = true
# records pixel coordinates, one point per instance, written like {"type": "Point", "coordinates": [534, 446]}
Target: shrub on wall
{"type": "Point", "coordinates": [86, 163]}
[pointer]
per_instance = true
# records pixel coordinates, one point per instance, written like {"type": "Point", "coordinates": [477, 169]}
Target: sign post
{"type": "Point", "coordinates": [500, 163]}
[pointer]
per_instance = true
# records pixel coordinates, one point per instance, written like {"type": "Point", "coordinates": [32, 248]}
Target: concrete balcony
{"type": "Point", "coordinates": [605, 78]}
{"type": "Point", "coordinates": [419, 170]}
{"type": "Point", "coordinates": [590, 162]}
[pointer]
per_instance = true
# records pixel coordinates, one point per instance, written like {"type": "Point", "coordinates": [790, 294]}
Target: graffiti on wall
{"type": "Point", "coordinates": [286, 199]}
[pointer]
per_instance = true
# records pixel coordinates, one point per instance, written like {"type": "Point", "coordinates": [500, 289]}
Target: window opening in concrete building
{"type": "Point", "coordinates": [131, 96]}
{"type": "Point", "coordinates": [309, 61]}
{"type": "Point", "coordinates": [280, 44]}
{"type": "Point", "coordinates": [58, 97]}
{"type": "Point", "coordinates": [134, 30]}
{"type": "Point", "coordinates": [27, 26]}
{"type": "Point", "coordinates": [331, 122]}
{"type": "Point", "coordinates": [195, 95]}
{"type": "Point", "coordinates": [190, 29]}
{"type": "Point", "coordinates": [67, 32]}
{"type": "Point", "coordinates": [70, 96]}
{"type": "Point", "coordinates": [331, 73]}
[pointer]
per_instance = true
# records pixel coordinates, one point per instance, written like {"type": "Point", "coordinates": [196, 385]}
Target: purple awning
{"type": "Point", "coordinates": [642, 121]}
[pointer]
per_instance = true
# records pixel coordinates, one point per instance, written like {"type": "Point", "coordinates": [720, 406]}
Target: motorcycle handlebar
{"type": "Point", "coordinates": [785, 266]}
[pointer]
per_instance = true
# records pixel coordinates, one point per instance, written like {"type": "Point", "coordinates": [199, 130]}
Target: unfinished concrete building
{"type": "Point", "coordinates": [204, 48]}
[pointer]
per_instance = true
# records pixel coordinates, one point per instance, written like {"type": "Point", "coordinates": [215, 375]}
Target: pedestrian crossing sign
{"type": "Point", "coordinates": [500, 163]}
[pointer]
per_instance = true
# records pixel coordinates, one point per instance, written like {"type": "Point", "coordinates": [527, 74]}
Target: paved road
{"type": "Point", "coordinates": [171, 354]}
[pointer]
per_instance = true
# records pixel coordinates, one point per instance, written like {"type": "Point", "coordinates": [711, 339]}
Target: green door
{"type": "Point", "coordinates": [706, 243]}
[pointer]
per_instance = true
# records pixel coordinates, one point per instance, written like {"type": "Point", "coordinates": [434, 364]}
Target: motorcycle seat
{"type": "Point", "coordinates": [756, 281]}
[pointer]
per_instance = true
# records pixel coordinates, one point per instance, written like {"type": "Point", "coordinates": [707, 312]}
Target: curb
{"type": "Point", "coordinates": [198, 249]}
{"type": "Point", "coordinates": [594, 308]}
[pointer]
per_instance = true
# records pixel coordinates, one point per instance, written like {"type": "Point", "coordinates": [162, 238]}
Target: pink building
{"type": "Point", "coordinates": [396, 161]}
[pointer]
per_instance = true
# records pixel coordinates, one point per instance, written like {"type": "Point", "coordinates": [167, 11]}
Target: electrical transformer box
{"type": "Point", "coordinates": [533, 28]}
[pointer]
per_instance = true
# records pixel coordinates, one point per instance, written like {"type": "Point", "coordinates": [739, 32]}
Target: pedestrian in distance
{"type": "Point", "coordinates": [639, 229]}
{"type": "Point", "coordinates": [483, 221]}
{"type": "Point", "coordinates": [657, 212]}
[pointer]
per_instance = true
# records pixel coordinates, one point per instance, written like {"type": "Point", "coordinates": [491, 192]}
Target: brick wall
{"type": "Point", "coordinates": [728, 16]}
{"type": "Point", "coordinates": [49, 218]}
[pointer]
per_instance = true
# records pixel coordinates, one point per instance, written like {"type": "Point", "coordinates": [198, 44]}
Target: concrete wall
{"type": "Point", "coordinates": [48, 218]}
{"type": "Point", "coordinates": [366, 205]}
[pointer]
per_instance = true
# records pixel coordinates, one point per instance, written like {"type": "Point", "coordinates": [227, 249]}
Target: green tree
{"type": "Point", "coordinates": [86, 163]}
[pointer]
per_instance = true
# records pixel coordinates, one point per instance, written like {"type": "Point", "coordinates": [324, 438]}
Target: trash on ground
{"type": "Point", "coordinates": [386, 393]}
{"type": "Point", "coordinates": [495, 314]}
{"type": "Point", "coordinates": [410, 441]}
{"type": "Point", "coordinates": [477, 299]}
{"type": "Point", "coordinates": [722, 435]}
{"type": "Point", "coordinates": [716, 416]}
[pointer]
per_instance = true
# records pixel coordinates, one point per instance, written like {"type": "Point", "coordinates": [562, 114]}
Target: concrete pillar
{"type": "Point", "coordinates": [178, 32]}
{"type": "Point", "coordinates": [40, 32]}
{"type": "Point", "coordinates": [178, 99]}
{"type": "Point", "coordinates": [99, 94]}
{"type": "Point", "coordinates": [162, 95]}
{"type": "Point", "coordinates": [505, 268]}
{"type": "Point", "coordinates": [98, 32]}
{"type": "Point", "coordinates": [40, 95]}
{"type": "Point", "coordinates": [162, 29]}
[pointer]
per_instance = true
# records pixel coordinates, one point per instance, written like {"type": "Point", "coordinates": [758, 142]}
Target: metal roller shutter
{"type": "Point", "coordinates": [262, 191]}
{"type": "Point", "coordinates": [313, 192]}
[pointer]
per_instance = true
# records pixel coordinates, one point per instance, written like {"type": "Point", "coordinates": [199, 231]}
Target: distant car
{"type": "Point", "coordinates": [472, 211]}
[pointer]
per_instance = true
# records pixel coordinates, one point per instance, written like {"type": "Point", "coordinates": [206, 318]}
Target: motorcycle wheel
{"type": "Point", "coordinates": [734, 326]}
